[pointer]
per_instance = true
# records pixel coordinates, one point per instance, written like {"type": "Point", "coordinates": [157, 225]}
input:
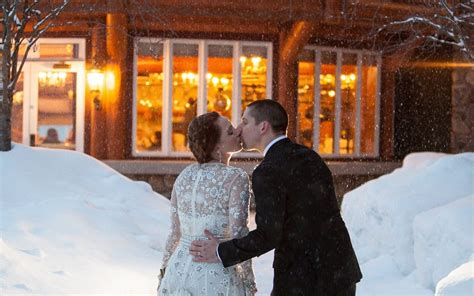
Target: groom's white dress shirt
{"type": "Point", "coordinates": [272, 143]}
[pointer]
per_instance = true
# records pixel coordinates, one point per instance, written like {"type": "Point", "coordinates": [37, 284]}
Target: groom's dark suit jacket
{"type": "Point", "coordinates": [297, 214]}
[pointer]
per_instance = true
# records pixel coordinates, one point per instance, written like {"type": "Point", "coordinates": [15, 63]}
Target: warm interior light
{"type": "Point", "coordinates": [95, 79]}
{"type": "Point", "coordinates": [331, 93]}
{"type": "Point", "coordinates": [256, 61]}
{"type": "Point", "coordinates": [224, 81]}
{"type": "Point", "coordinates": [110, 80]}
{"type": "Point", "coordinates": [329, 79]}
{"type": "Point", "coordinates": [55, 78]}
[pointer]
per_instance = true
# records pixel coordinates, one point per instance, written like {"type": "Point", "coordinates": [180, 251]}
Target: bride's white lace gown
{"type": "Point", "coordinates": [209, 196]}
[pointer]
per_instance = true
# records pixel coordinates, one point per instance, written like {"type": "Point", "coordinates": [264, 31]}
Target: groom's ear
{"type": "Point", "coordinates": [263, 127]}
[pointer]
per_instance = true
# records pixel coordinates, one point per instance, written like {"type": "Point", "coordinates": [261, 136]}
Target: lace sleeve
{"type": "Point", "coordinates": [175, 234]}
{"type": "Point", "coordinates": [238, 214]}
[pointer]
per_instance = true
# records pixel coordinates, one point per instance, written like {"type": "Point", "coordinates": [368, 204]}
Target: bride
{"type": "Point", "coordinates": [207, 195]}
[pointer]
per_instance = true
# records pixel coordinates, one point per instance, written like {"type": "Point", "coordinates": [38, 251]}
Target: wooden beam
{"type": "Point", "coordinates": [291, 44]}
{"type": "Point", "coordinates": [296, 39]}
{"type": "Point", "coordinates": [116, 77]}
{"type": "Point", "coordinates": [98, 136]}
{"type": "Point", "coordinates": [387, 113]}
{"type": "Point", "coordinates": [205, 25]}
{"type": "Point", "coordinates": [230, 16]}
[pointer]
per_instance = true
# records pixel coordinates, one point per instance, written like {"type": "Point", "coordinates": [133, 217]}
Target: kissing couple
{"type": "Point", "coordinates": [209, 249]}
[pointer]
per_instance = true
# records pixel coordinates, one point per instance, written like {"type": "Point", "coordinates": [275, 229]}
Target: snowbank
{"type": "Point", "coordinates": [443, 240]}
{"type": "Point", "coordinates": [416, 218]}
{"type": "Point", "coordinates": [71, 224]}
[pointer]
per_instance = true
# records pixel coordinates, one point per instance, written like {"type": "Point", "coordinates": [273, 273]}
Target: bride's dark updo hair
{"type": "Point", "coordinates": [203, 136]}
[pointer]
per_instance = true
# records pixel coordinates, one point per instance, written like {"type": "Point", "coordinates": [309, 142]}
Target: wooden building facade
{"type": "Point", "coordinates": [121, 80]}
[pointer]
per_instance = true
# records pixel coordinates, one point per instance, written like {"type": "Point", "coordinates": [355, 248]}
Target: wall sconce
{"type": "Point", "coordinates": [95, 79]}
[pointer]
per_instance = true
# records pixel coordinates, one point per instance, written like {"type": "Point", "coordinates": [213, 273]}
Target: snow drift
{"type": "Point", "coordinates": [71, 224]}
{"type": "Point", "coordinates": [419, 218]}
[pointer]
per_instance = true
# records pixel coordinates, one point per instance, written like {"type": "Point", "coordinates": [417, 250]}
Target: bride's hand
{"type": "Point", "coordinates": [205, 250]}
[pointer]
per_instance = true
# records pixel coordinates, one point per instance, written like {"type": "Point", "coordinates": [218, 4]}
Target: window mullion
{"type": "Point", "coordinates": [317, 100]}
{"type": "Point", "coordinates": [236, 83]}
{"type": "Point", "coordinates": [358, 104]}
{"type": "Point", "coordinates": [167, 100]}
{"type": "Point", "coordinates": [202, 71]}
{"type": "Point", "coordinates": [27, 94]}
{"type": "Point", "coordinates": [135, 94]}
{"type": "Point", "coordinates": [337, 129]}
{"type": "Point", "coordinates": [269, 71]}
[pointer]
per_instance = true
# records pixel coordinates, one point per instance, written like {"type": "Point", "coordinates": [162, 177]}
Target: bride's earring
{"type": "Point", "coordinates": [220, 155]}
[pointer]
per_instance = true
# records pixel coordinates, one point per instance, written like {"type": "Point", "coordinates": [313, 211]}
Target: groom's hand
{"type": "Point", "coordinates": [205, 250]}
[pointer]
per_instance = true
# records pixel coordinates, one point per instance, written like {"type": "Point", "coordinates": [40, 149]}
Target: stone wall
{"type": "Point", "coordinates": [462, 133]}
{"type": "Point", "coordinates": [163, 184]}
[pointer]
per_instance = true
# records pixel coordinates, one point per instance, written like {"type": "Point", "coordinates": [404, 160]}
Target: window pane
{"type": "Point", "coordinates": [348, 103]}
{"type": "Point", "coordinates": [306, 98]}
{"type": "Point", "coordinates": [185, 92]}
{"type": "Point", "coordinates": [17, 111]}
{"type": "Point", "coordinates": [219, 79]}
{"type": "Point", "coordinates": [328, 102]}
{"type": "Point", "coordinates": [368, 96]}
{"type": "Point", "coordinates": [149, 103]}
{"type": "Point", "coordinates": [254, 74]}
{"type": "Point", "coordinates": [59, 50]}
{"type": "Point", "coordinates": [56, 109]}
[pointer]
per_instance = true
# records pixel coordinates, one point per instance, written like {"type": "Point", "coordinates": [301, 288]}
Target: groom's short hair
{"type": "Point", "coordinates": [272, 112]}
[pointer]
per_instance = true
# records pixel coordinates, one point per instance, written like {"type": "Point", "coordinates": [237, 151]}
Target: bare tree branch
{"type": "Point", "coordinates": [17, 16]}
{"type": "Point", "coordinates": [451, 25]}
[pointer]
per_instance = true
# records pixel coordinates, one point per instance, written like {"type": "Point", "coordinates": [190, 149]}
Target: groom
{"type": "Point", "coordinates": [296, 214]}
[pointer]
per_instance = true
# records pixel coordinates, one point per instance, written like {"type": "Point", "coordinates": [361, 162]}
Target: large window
{"type": "Point", "coordinates": [338, 101]}
{"type": "Point", "coordinates": [176, 80]}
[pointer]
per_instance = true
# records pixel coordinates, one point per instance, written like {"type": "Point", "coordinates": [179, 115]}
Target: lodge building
{"type": "Point", "coordinates": [121, 80]}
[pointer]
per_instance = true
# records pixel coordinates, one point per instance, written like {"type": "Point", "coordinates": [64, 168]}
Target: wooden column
{"type": "Point", "coordinates": [387, 112]}
{"type": "Point", "coordinates": [98, 132]}
{"type": "Point", "coordinates": [115, 81]}
{"type": "Point", "coordinates": [292, 41]}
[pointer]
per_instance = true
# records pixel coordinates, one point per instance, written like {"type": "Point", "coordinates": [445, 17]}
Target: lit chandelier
{"type": "Point", "coordinates": [55, 79]}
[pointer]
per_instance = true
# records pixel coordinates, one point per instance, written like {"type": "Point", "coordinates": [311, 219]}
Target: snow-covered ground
{"type": "Point", "coordinates": [412, 227]}
{"type": "Point", "coordinates": [71, 225]}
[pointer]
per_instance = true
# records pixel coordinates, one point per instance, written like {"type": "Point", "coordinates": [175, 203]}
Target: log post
{"type": "Point", "coordinates": [115, 80]}
{"type": "Point", "coordinates": [292, 43]}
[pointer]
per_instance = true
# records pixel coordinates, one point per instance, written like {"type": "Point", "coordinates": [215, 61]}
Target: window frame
{"type": "Point", "coordinates": [34, 54]}
{"type": "Point", "coordinates": [30, 88]}
{"type": "Point", "coordinates": [337, 127]}
{"type": "Point", "coordinates": [166, 148]}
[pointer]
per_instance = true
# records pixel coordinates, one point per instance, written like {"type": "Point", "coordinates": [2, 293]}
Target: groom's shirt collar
{"type": "Point", "coordinates": [273, 142]}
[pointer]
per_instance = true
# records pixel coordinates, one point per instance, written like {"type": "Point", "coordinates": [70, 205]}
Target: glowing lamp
{"type": "Point", "coordinates": [95, 79]}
